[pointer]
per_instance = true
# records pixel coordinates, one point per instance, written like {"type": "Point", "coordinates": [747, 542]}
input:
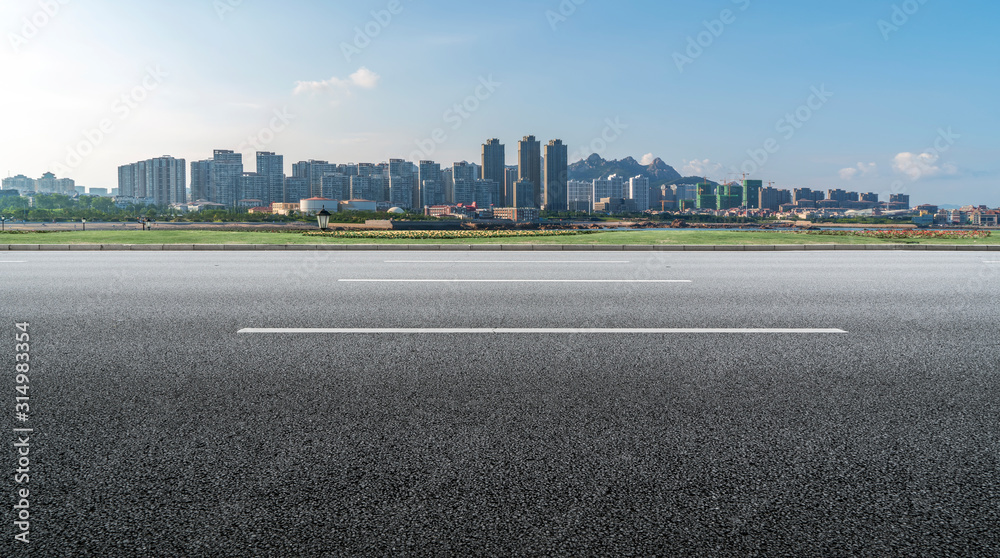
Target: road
{"type": "Point", "coordinates": [165, 425]}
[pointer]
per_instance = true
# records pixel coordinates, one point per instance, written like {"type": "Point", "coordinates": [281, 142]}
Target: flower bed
{"type": "Point", "coordinates": [908, 234]}
{"type": "Point", "coordinates": [442, 235]}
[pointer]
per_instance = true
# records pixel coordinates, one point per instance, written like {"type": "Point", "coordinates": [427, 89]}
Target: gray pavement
{"type": "Point", "coordinates": [163, 431]}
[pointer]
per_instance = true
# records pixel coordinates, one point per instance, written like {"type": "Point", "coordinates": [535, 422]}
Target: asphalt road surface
{"type": "Point", "coordinates": [854, 413]}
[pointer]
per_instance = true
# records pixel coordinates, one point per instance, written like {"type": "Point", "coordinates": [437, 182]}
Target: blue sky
{"type": "Point", "coordinates": [804, 94]}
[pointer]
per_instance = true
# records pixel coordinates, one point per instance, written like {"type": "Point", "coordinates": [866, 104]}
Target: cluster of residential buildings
{"type": "Point", "coordinates": [50, 184]}
{"type": "Point", "coordinates": [490, 189]}
{"type": "Point", "coordinates": [536, 181]}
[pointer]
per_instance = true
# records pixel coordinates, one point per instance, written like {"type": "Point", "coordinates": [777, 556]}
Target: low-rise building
{"type": "Point", "coordinates": [313, 206]}
{"type": "Point", "coordinates": [285, 208]}
{"type": "Point", "coordinates": [358, 205]}
{"type": "Point", "coordinates": [987, 218]}
{"type": "Point", "coordinates": [516, 214]}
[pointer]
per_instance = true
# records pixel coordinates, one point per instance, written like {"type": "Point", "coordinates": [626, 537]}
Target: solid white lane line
{"type": "Point", "coordinates": [502, 262]}
{"type": "Point", "coordinates": [513, 281]}
{"type": "Point", "coordinates": [543, 331]}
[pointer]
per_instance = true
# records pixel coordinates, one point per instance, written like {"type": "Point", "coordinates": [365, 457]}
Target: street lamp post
{"type": "Point", "coordinates": [84, 224]}
{"type": "Point", "coordinates": [324, 219]}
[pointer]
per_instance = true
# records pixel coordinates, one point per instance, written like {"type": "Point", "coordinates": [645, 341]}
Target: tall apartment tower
{"type": "Point", "coordinates": [227, 173]}
{"type": "Point", "coordinates": [313, 171]}
{"type": "Point", "coordinates": [201, 179]}
{"type": "Point", "coordinates": [639, 192]}
{"type": "Point", "coordinates": [431, 185]}
{"type": "Point", "coordinates": [129, 177]}
{"type": "Point", "coordinates": [751, 193]}
{"type": "Point", "coordinates": [494, 168]}
{"type": "Point", "coordinates": [529, 165]}
{"type": "Point", "coordinates": [166, 180]}
{"type": "Point", "coordinates": [272, 168]}
{"type": "Point", "coordinates": [556, 176]}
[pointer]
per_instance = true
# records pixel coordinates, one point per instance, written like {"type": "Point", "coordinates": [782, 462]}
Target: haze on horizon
{"type": "Point", "coordinates": [865, 96]}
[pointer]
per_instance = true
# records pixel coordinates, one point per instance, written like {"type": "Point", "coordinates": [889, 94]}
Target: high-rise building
{"type": "Point", "coordinates": [639, 192]}
{"type": "Point", "coordinates": [403, 177]}
{"type": "Point", "coordinates": [523, 194]}
{"type": "Point", "coordinates": [556, 176]}
{"type": "Point", "coordinates": [619, 186]}
{"type": "Point", "coordinates": [463, 181]}
{"type": "Point", "coordinates": [201, 179]}
{"type": "Point", "coordinates": [296, 189]}
{"type": "Point", "coordinates": [728, 196]}
{"type": "Point", "coordinates": [529, 165]}
{"type": "Point", "coordinates": [900, 199]}
{"type": "Point", "coordinates": [495, 168]}
{"type": "Point", "coordinates": [510, 177]}
{"type": "Point", "coordinates": [46, 184]}
{"type": "Point", "coordinates": [464, 191]}
{"type": "Point", "coordinates": [361, 188]}
{"type": "Point", "coordinates": [24, 185]}
{"type": "Point", "coordinates": [837, 195]}
{"type": "Point", "coordinates": [401, 190]}
{"type": "Point", "coordinates": [227, 172]}
{"type": "Point", "coordinates": [65, 186]}
{"type": "Point", "coordinates": [603, 188]}
{"type": "Point", "coordinates": [336, 186]}
{"type": "Point", "coordinates": [253, 189]}
{"type": "Point", "coordinates": [807, 195]}
{"type": "Point", "coordinates": [162, 180]}
{"type": "Point", "coordinates": [166, 180]}
{"type": "Point", "coordinates": [484, 193]}
{"type": "Point", "coordinates": [751, 193]}
{"type": "Point", "coordinates": [128, 180]}
{"type": "Point", "coordinates": [685, 192]}
{"type": "Point", "coordinates": [869, 197]}
{"type": "Point", "coordinates": [313, 171]}
{"type": "Point", "coordinates": [431, 190]}
{"type": "Point", "coordinates": [272, 168]}
{"type": "Point", "coordinates": [706, 198]}
{"type": "Point", "coordinates": [579, 195]}
{"type": "Point", "coordinates": [769, 198]}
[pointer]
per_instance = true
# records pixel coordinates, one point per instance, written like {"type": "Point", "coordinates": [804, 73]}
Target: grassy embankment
{"type": "Point", "coordinates": [673, 237]}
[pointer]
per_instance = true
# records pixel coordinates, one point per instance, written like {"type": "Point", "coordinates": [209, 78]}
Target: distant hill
{"type": "Point", "coordinates": [594, 167]}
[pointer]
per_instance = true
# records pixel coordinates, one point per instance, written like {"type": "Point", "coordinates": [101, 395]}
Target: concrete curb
{"type": "Point", "coordinates": [494, 247]}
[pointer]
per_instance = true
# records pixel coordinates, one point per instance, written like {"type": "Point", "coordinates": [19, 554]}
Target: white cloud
{"type": "Point", "coordinates": [647, 159]}
{"type": "Point", "coordinates": [363, 78]}
{"type": "Point", "coordinates": [923, 165]}
{"type": "Point", "coordinates": [863, 169]}
{"type": "Point", "coordinates": [703, 167]}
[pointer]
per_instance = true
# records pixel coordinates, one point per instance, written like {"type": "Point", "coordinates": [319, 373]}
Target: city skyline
{"type": "Point", "coordinates": [849, 95]}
